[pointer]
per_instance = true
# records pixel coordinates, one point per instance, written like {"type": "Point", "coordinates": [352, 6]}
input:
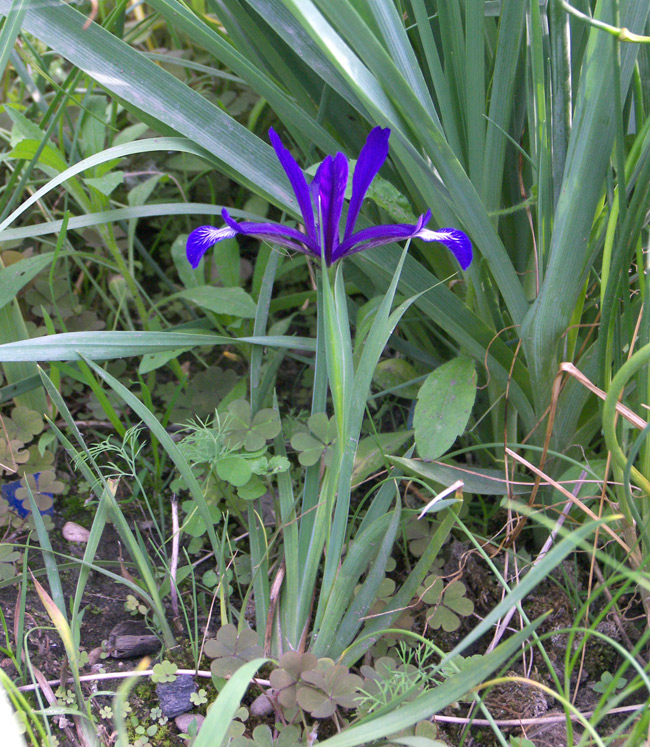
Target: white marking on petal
{"type": "Point", "coordinates": [427, 234]}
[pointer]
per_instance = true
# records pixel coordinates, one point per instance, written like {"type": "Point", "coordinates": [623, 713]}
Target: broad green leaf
{"type": "Point", "coordinates": [232, 301]}
{"type": "Point", "coordinates": [252, 490]}
{"type": "Point", "coordinates": [371, 450]}
{"type": "Point", "coordinates": [189, 276]}
{"type": "Point", "coordinates": [391, 200]}
{"type": "Point", "coordinates": [50, 160]}
{"type": "Point", "coordinates": [153, 361]}
{"type": "Point", "coordinates": [142, 192]}
{"type": "Point", "coordinates": [23, 127]}
{"type": "Point", "coordinates": [106, 184]}
{"type": "Point", "coordinates": [226, 263]}
{"type": "Point", "coordinates": [14, 277]}
{"type": "Point", "coordinates": [396, 375]}
{"type": "Point", "coordinates": [443, 407]}
{"type": "Point", "coordinates": [194, 525]}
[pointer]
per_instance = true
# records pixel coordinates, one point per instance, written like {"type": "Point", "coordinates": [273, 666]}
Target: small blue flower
{"type": "Point", "coordinates": [321, 204]}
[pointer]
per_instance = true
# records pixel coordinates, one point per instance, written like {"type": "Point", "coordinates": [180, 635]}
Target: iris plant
{"type": "Point", "coordinates": [321, 204]}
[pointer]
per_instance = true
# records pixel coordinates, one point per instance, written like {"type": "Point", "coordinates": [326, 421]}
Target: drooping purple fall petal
{"type": "Point", "coordinates": [456, 241]}
{"type": "Point", "coordinates": [274, 232]}
{"type": "Point", "coordinates": [202, 238]}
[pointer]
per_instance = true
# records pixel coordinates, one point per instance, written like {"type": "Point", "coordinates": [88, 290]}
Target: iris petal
{"type": "Point", "coordinates": [298, 183]}
{"type": "Point", "coordinates": [374, 236]}
{"type": "Point", "coordinates": [456, 241]}
{"type": "Point", "coordinates": [371, 159]}
{"type": "Point", "coordinates": [275, 233]}
{"type": "Point", "coordinates": [332, 180]}
{"type": "Point", "coordinates": [202, 238]}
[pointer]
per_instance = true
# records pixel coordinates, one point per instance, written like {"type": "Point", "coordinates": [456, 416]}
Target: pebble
{"type": "Point", "coordinates": [74, 532]}
{"type": "Point", "coordinates": [175, 696]}
{"type": "Point", "coordinates": [261, 706]}
{"type": "Point", "coordinates": [185, 719]}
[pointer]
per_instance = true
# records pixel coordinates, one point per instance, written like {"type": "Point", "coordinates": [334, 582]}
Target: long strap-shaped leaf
{"type": "Point", "coordinates": [158, 97]}
{"type": "Point", "coordinates": [101, 346]}
{"type": "Point", "coordinates": [588, 158]}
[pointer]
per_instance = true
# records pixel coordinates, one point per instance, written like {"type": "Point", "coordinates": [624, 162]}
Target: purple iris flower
{"type": "Point", "coordinates": [321, 204]}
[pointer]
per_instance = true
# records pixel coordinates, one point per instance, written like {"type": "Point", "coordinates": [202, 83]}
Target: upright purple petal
{"type": "Point", "coordinates": [332, 179]}
{"type": "Point", "coordinates": [298, 183]}
{"type": "Point", "coordinates": [202, 238]}
{"type": "Point", "coordinates": [371, 159]}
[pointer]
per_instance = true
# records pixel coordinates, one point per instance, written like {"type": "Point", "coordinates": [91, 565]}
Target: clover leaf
{"type": "Point", "coordinates": [37, 461]}
{"type": "Point", "coordinates": [316, 443]}
{"type": "Point", "coordinates": [397, 374]}
{"type": "Point", "coordinates": [285, 679]}
{"type": "Point", "coordinates": [419, 534]}
{"type": "Point", "coordinates": [449, 603]}
{"type": "Point", "coordinates": [204, 390]}
{"type": "Point", "coordinates": [231, 649]}
{"type": "Point", "coordinates": [606, 679]}
{"type": "Point", "coordinates": [327, 687]}
{"type": "Point", "coordinates": [43, 488]}
{"type": "Point", "coordinates": [165, 671]}
{"type": "Point", "coordinates": [388, 680]}
{"type": "Point", "coordinates": [8, 556]}
{"type": "Point", "coordinates": [7, 516]}
{"type": "Point", "coordinates": [253, 489]}
{"type": "Point", "coordinates": [199, 698]}
{"type": "Point", "coordinates": [23, 424]}
{"type": "Point", "coordinates": [251, 432]}
{"type": "Point", "coordinates": [54, 298]}
{"type": "Point", "coordinates": [288, 736]}
{"type": "Point", "coordinates": [265, 466]}
{"type": "Point", "coordinates": [12, 453]}
{"type": "Point", "coordinates": [194, 524]}
{"type": "Point", "coordinates": [234, 469]}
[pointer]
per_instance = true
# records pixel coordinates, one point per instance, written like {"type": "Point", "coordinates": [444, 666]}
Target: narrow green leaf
{"type": "Point", "coordinates": [475, 479]}
{"type": "Point", "coordinates": [10, 30]}
{"type": "Point", "coordinates": [221, 713]}
{"type": "Point", "coordinates": [107, 345]}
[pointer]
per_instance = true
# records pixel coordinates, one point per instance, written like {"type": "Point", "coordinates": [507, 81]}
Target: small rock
{"type": "Point", "coordinates": [185, 719]}
{"type": "Point", "coordinates": [261, 706]}
{"type": "Point", "coordinates": [74, 532]}
{"type": "Point", "coordinates": [175, 696]}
